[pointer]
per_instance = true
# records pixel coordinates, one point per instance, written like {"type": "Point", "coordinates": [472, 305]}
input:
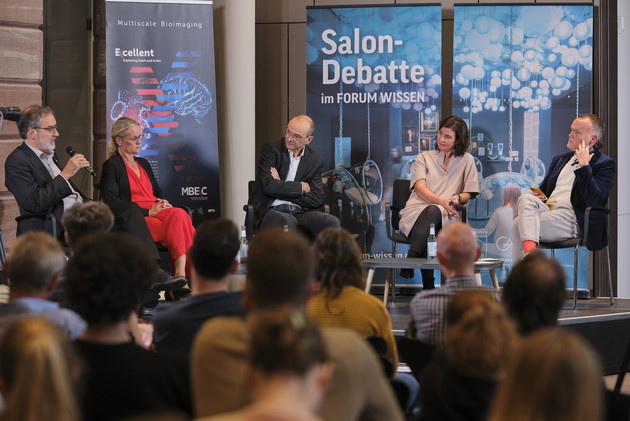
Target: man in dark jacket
{"type": "Point", "coordinates": [575, 181]}
{"type": "Point", "coordinates": [289, 188]}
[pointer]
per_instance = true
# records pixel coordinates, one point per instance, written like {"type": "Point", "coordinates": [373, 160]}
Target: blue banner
{"type": "Point", "coordinates": [160, 72]}
{"type": "Point", "coordinates": [522, 74]}
{"type": "Point", "coordinates": [374, 91]}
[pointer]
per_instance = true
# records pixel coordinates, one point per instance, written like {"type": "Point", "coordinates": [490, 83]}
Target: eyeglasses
{"type": "Point", "coordinates": [51, 129]}
{"type": "Point", "coordinates": [135, 139]}
{"type": "Point", "coordinates": [289, 134]}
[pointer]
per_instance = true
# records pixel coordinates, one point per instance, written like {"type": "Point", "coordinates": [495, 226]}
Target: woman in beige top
{"type": "Point", "coordinates": [441, 179]}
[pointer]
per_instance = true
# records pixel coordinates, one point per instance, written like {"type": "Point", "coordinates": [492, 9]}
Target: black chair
{"type": "Point", "coordinates": [574, 243]}
{"type": "Point", "coordinates": [43, 215]}
{"type": "Point", "coordinates": [249, 211]}
{"type": "Point", "coordinates": [3, 258]}
{"type": "Point", "coordinates": [416, 354]}
{"type": "Point", "coordinates": [400, 195]}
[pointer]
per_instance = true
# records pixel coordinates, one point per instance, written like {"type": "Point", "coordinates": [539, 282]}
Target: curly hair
{"type": "Point", "coordinates": [85, 218]}
{"type": "Point", "coordinates": [284, 341]}
{"type": "Point", "coordinates": [480, 336]}
{"type": "Point", "coordinates": [119, 127]}
{"type": "Point", "coordinates": [38, 364]}
{"type": "Point", "coordinates": [337, 262]}
{"type": "Point", "coordinates": [107, 276]}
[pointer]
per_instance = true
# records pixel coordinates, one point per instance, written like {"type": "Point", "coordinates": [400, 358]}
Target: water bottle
{"type": "Point", "coordinates": [432, 243]}
{"type": "Point", "coordinates": [242, 252]}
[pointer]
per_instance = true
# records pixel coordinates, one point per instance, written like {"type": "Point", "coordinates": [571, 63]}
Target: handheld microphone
{"type": "Point", "coordinates": [596, 147]}
{"type": "Point", "coordinates": [72, 152]}
{"type": "Point", "coordinates": [10, 113]}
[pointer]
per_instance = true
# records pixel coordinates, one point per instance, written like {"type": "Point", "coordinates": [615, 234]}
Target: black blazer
{"type": "Point", "coordinates": [591, 187]}
{"type": "Point", "coordinates": [115, 184]}
{"type": "Point", "coordinates": [35, 190]}
{"type": "Point", "coordinates": [266, 189]}
{"type": "Point", "coordinates": [116, 193]}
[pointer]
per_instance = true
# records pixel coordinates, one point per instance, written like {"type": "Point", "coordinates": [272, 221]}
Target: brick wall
{"type": "Point", "coordinates": [21, 62]}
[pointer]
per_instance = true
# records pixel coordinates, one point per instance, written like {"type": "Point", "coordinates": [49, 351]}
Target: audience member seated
{"type": "Point", "coordinates": [213, 255]}
{"type": "Point", "coordinates": [279, 274]}
{"type": "Point", "coordinates": [457, 252]}
{"type": "Point", "coordinates": [341, 300]}
{"type": "Point", "coordinates": [106, 277]}
{"type": "Point", "coordinates": [38, 372]}
{"type": "Point", "coordinates": [289, 368]}
{"type": "Point", "coordinates": [555, 376]}
{"type": "Point", "coordinates": [34, 268]}
{"type": "Point", "coordinates": [128, 182]}
{"type": "Point", "coordinates": [480, 342]}
{"type": "Point", "coordinates": [84, 219]}
{"type": "Point", "coordinates": [534, 292]}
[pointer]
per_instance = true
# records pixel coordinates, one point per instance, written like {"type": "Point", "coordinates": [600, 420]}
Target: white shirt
{"type": "Point", "coordinates": [54, 171]}
{"type": "Point", "coordinates": [294, 163]}
{"type": "Point", "coordinates": [560, 197]}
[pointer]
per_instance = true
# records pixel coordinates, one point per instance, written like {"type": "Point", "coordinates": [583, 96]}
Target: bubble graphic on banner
{"type": "Point", "coordinates": [190, 95]}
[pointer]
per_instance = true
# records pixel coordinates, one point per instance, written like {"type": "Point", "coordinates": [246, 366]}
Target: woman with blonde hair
{"type": "Point", "coordinates": [481, 340]}
{"type": "Point", "coordinates": [38, 370]}
{"type": "Point", "coordinates": [555, 376]}
{"type": "Point", "coordinates": [341, 300]}
{"type": "Point", "coordinates": [127, 180]}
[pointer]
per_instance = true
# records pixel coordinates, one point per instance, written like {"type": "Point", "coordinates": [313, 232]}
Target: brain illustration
{"type": "Point", "coordinates": [188, 93]}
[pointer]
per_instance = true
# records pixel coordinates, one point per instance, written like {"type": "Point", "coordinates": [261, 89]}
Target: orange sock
{"type": "Point", "coordinates": [529, 246]}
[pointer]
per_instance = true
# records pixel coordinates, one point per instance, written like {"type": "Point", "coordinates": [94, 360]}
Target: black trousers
{"type": "Point", "coordinates": [418, 237]}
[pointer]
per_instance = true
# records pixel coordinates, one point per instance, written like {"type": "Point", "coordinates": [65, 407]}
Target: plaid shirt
{"type": "Point", "coordinates": [428, 308]}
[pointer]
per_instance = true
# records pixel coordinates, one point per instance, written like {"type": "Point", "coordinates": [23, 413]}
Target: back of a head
{"type": "Point", "coordinates": [480, 337]}
{"type": "Point", "coordinates": [107, 276]}
{"type": "Point", "coordinates": [555, 376]}
{"type": "Point", "coordinates": [279, 268]}
{"type": "Point", "coordinates": [36, 257]}
{"type": "Point", "coordinates": [86, 218]}
{"type": "Point", "coordinates": [534, 292]}
{"type": "Point", "coordinates": [457, 245]}
{"type": "Point", "coordinates": [283, 340]}
{"type": "Point", "coordinates": [214, 248]}
{"type": "Point", "coordinates": [337, 261]}
{"type": "Point", "coordinates": [37, 368]}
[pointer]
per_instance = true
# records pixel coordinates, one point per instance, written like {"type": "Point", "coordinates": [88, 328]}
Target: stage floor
{"type": "Point", "coordinates": [605, 327]}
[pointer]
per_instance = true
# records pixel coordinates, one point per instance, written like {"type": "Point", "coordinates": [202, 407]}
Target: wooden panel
{"type": "Point", "coordinates": [24, 12]}
{"type": "Point", "coordinates": [276, 11]}
{"type": "Point", "coordinates": [100, 112]}
{"type": "Point", "coordinates": [271, 81]}
{"type": "Point", "coordinates": [21, 53]}
{"type": "Point", "coordinates": [8, 212]}
{"type": "Point", "coordinates": [297, 69]}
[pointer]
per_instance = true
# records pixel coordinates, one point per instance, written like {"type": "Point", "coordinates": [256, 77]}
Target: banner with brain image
{"type": "Point", "coordinates": [522, 74]}
{"type": "Point", "coordinates": [160, 72]}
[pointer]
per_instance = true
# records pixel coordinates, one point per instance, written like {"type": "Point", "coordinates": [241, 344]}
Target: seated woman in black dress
{"type": "Point", "coordinates": [127, 180]}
